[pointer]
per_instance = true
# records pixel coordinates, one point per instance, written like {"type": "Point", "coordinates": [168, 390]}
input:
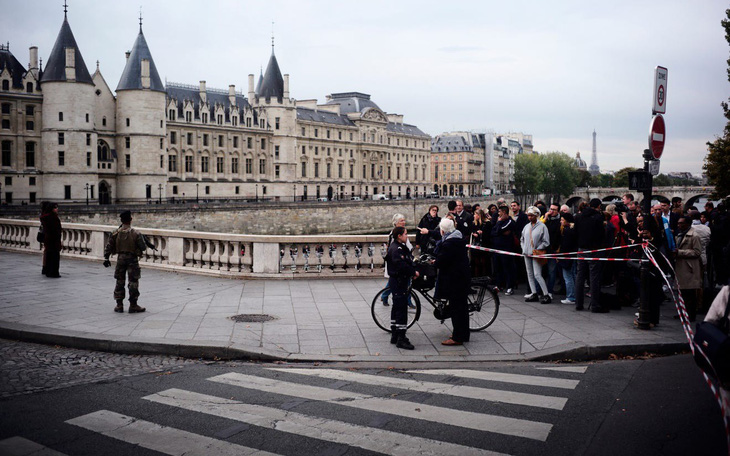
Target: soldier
{"type": "Point", "coordinates": [128, 245]}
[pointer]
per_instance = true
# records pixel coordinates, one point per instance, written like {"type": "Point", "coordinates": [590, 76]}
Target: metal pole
{"type": "Point", "coordinates": [87, 193]}
{"type": "Point", "coordinates": [196, 192]}
{"type": "Point", "coordinates": [644, 320]}
{"type": "Point", "coordinates": [160, 188]}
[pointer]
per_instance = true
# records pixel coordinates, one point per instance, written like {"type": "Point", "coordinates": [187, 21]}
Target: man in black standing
{"type": "Point", "coordinates": [463, 220]}
{"type": "Point", "coordinates": [591, 235]}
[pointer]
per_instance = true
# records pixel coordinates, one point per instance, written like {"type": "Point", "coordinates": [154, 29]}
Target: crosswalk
{"type": "Point", "coordinates": [498, 404]}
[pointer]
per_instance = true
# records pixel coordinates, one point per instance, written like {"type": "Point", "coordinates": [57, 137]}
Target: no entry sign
{"type": "Point", "coordinates": [657, 136]}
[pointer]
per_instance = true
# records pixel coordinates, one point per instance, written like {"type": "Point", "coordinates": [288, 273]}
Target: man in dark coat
{"type": "Point", "coordinates": [52, 240]}
{"type": "Point", "coordinates": [463, 220]}
{"type": "Point", "coordinates": [400, 271]}
{"type": "Point", "coordinates": [503, 238]}
{"type": "Point", "coordinates": [590, 229]}
{"type": "Point", "coordinates": [426, 239]}
{"type": "Point", "coordinates": [453, 280]}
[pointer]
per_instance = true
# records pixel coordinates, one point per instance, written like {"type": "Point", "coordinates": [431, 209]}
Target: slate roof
{"type": "Point", "coordinates": [450, 143]}
{"type": "Point", "coordinates": [273, 84]}
{"type": "Point", "coordinates": [132, 75]}
{"type": "Point", "coordinates": [323, 116]}
{"type": "Point", "coordinates": [16, 69]}
{"type": "Point", "coordinates": [405, 129]}
{"type": "Point", "coordinates": [56, 63]}
{"type": "Point", "coordinates": [352, 102]}
{"type": "Point", "coordinates": [261, 80]}
{"type": "Point", "coordinates": [180, 93]}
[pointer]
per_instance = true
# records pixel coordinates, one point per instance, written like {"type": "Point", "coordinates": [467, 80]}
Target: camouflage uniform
{"type": "Point", "coordinates": [128, 244]}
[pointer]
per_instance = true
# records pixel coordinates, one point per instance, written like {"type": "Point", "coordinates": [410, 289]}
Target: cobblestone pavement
{"type": "Point", "coordinates": [27, 368]}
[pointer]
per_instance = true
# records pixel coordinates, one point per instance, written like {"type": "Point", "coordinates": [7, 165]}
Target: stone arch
{"type": "Point", "coordinates": [105, 193]}
{"type": "Point", "coordinates": [693, 200]}
{"type": "Point", "coordinates": [611, 199]}
{"type": "Point", "coordinates": [574, 201]}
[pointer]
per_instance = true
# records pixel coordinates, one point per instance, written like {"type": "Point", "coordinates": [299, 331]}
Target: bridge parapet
{"type": "Point", "coordinates": [220, 254]}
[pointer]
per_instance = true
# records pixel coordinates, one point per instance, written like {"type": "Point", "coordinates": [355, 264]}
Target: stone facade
{"type": "Point", "coordinates": [458, 162]}
{"type": "Point", "coordinates": [152, 141]}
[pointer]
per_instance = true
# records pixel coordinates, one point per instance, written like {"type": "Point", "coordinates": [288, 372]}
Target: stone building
{"type": "Point", "coordinates": [457, 163]}
{"type": "Point", "coordinates": [67, 136]}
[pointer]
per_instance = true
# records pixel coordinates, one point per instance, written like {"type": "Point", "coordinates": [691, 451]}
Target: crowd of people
{"type": "Point", "coordinates": [691, 247]}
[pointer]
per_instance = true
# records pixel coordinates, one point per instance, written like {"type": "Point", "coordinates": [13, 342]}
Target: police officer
{"type": "Point", "coordinates": [400, 269]}
{"type": "Point", "coordinates": [128, 244]}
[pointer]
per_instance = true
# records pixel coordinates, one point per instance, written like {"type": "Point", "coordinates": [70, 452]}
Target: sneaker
{"type": "Point", "coordinates": [529, 295]}
{"type": "Point", "coordinates": [547, 299]}
{"type": "Point", "coordinates": [509, 292]}
{"type": "Point", "coordinates": [567, 301]}
{"type": "Point", "coordinates": [532, 298]}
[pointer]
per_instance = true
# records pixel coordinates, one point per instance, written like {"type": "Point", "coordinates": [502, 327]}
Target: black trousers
{"type": "Point", "coordinates": [592, 269]}
{"type": "Point", "coordinates": [53, 262]}
{"type": "Point", "coordinates": [460, 318]}
{"type": "Point", "coordinates": [399, 310]}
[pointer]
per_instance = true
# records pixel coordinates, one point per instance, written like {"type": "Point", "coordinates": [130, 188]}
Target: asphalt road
{"type": "Point", "coordinates": [77, 402]}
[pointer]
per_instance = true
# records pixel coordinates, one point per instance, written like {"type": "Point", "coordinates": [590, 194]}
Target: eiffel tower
{"type": "Point", "coordinates": [594, 169]}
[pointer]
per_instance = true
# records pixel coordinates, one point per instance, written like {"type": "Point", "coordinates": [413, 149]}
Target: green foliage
{"type": "Point", "coordinates": [552, 174]}
{"type": "Point", "coordinates": [621, 178]}
{"type": "Point", "coordinates": [584, 178]}
{"type": "Point", "coordinates": [602, 180]}
{"type": "Point", "coordinates": [662, 180]}
{"type": "Point", "coordinates": [717, 161]}
{"type": "Point", "coordinates": [560, 175]}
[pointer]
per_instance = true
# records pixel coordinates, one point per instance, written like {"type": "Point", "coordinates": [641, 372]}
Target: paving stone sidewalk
{"type": "Point", "coordinates": [315, 320]}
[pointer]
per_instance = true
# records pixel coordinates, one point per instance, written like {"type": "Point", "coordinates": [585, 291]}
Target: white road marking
{"type": "Point", "coordinates": [471, 392]}
{"type": "Point", "coordinates": [478, 421]}
{"type": "Point", "coordinates": [575, 369]}
{"type": "Point", "coordinates": [533, 380]}
{"type": "Point", "coordinates": [373, 439]}
{"type": "Point", "coordinates": [164, 439]}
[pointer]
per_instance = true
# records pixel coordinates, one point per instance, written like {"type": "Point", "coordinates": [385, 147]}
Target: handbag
{"type": "Point", "coordinates": [713, 339]}
{"type": "Point", "coordinates": [39, 237]}
{"type": "Point", "coordinates": [540, 261]}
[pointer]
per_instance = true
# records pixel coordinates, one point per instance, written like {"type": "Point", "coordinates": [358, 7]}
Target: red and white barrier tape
{"type": "Point", "coordinates": [684, 318]}
{"type": "Point", "coordinates": [558, 256]}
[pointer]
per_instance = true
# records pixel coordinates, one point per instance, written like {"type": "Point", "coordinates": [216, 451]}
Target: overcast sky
{"type": "Point", "coordinates": [553, 69]}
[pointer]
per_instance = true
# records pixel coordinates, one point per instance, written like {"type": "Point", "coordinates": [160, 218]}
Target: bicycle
{"type": "Point", "coordinates": [482, 302]}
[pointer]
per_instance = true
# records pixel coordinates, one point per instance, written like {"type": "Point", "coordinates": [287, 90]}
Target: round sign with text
{"type": "Point", "coordinates": [657, 136]}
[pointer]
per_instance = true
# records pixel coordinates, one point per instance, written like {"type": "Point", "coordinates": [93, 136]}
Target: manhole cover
{"type": "Point", "coordinates": [252, 318]}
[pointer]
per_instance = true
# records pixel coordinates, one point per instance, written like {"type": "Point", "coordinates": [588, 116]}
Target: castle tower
{"type": "Point", "coordinates": [68, 138]}
{"type": "Point", "coordinates": [271, 100]}
{"type": "Point", "coordinates": [140, 125]}
{"type": "Point", "coordinates": [594, 169]}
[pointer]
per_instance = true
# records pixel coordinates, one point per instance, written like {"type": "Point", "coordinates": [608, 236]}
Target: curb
{"type": "Point", "coordinates": [215, 351]}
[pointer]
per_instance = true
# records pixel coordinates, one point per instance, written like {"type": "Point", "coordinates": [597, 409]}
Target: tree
{"type": "Point", "coordinates": [662, 180]}
{"type": "Point", "coordinates": [560, 176]}
{"type": "Point", "coordinates": [584, 178]}
{"type": "Point", "coordinates": [602, 180]}
{"type": "Point", "coordinates": [621, 178]}
{"type": "Point", "coordinates": [528, 175]}
{"type": "Point", "coordinates": [717, 161]}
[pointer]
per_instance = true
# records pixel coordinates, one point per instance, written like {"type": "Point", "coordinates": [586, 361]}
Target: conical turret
{"type": "Point", "coordinates": [140, 71]}
{"type": "Point", "coordinates": [65, 62]}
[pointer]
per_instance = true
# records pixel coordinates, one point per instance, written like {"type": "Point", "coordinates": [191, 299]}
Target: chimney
{"type": "Point", "coordinates": [33, 63]}
{"type": "Point", "coordinates": [203, 94]}
{"type": "Point", "coordinates": [251, 93]}
{"type": "Point", "coordinates": [232, 94]}
{"type": "Point", "coordinates": [70, 64]}
{"type": "Point", "coordinates": [145, 73]}
{"type": "Point", "coordinates": [126, 55]}
{"type": "Point", "coordinates": [286, 86]}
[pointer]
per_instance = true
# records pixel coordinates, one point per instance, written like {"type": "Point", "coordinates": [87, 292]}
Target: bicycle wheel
{"type": "Point", "coordinates": [381, 313]}
{"type": "Point", "coordinates": [483, 304]}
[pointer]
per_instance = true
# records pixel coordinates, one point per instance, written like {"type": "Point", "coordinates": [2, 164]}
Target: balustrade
{"type": "Point", "coordinates": [233, 255]}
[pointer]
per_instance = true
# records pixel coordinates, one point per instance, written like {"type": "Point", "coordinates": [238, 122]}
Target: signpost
{"type": "Point", "coordinates": [642, 180]}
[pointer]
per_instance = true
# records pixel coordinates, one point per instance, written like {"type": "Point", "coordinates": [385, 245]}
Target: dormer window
{"type": "Point", "coordinates": [188, 116]}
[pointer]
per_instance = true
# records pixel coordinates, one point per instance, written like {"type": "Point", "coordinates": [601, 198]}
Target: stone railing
{"type": "Point", "coordinates": [234, 255]}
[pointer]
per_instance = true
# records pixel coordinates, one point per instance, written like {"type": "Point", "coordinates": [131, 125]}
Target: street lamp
{"type": "Point", "coordinates": [87, 193]}
{"type": "Point", "coordinates": [196, 192]}
{"type": "Point", "coordinates": [257, 193]}
{"type": "Point", "coordinates": [159, 186]}
{"type": "Point", "coordinates": [295, 193]}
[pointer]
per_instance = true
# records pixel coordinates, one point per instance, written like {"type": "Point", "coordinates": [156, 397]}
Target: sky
{"type": "Point", "coordinates": [554, 69]}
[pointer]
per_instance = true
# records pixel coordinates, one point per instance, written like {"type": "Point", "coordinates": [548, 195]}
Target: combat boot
{"type": "Point", "coordinates": [403, 341]}
{"type": "Point", "coordinates": [120, 306]}
{"type": "Point", "coordinates": [393, 334]}
{"type": "Point", "coordinates": [134, 308]}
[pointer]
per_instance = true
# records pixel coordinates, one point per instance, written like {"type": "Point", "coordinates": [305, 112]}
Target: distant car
{"type": "Point", "coordinates": [432, 195]}
{"type": "Point", "coordinates": [324, 198]}
{"type": "Point", "coordinates": [380, 196]}
{"type": "Point", "coordinates": [355, 198]}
